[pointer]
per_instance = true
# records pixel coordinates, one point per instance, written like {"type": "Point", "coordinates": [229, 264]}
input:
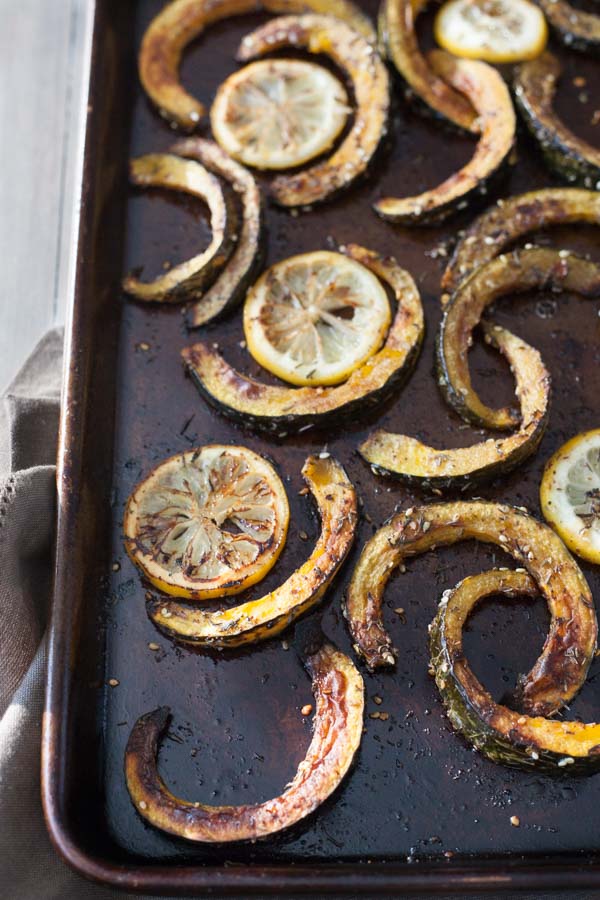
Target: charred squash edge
{"type": "Point", "coordinates": [338, 723]}
{"type": "Point", "coordinates": [260, 619]}
{"type": "Point", "coordinates": [512, 218]}
{"type": "Point", "coordinates": [561, 668]}
{"type": "Point", "coordinates": [538, 268]}
{"type": "Point", "coordinates": [486, 90]}
{"type": "Point", "coordinates": [398, 39]}
{"type": "Point", "coordinates": [576, 29]}
{"type": "Point", "coordinates": [246, 260]}
{"type": "Point", "coordinates": [501, 734]}
{"type": "Point", "coordinates": [428, 467]}
{"type": "Point", "coordinates": [183, 21]}
{"type": "Point", "coordinates": [189, 279]}
{"type": "Point", "coordinates": [565, 154]}
{"type": "Point", "coordinates": [281, 410]}
{"type": "Point", "coordinates": [369, 81]}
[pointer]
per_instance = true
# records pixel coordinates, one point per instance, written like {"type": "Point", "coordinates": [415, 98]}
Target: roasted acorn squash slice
{"type": "Point", "coordinates": [486, 90]}
{"type": "Point", "coordinates": [566, 154]}
{"type": "Point", "coordinates": [398, 38]}
{"type": "Point", "coordinates": [369, 81]}
{"type": "Point", "coordinates": [513, 218]}
{"type": "Point", "coordinates": [416, 463]}
{"type": "Point", "coordinates": [562, 666]}
{"type": "Point", "coordinates": [260, 619]}
{"type": "Point", "coordinates": [503, 735]}
{"type": "Point", "coordinates": [181, 22]}
{"type": "Point", "coordinates": [283, 409]}
{"type": "Point", "coordinates": [523, 270]}
{"type": "Point", "coordinates": [577, 29]}
{"type": "Point", "coordinates": [338, 722]}
{"type": "Point", "coordinates": [188, 280]}
{"type": "Point", "coordinates": [229, 287]}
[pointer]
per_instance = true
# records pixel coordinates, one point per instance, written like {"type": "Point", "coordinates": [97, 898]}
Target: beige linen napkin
{"type": "Point", "coordinates": [29, 867]}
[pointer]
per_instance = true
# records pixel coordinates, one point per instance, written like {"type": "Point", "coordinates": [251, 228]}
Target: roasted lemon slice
{"type": "Point", "coordinates": [208, 522]}
{"type": "Point", "coordinates": [570, 494]}
{"type": "Point", "coordinates": [313, 319]}
{"type": "Point", "coordinates": [279, 113]}
{"type": "Point", "coordinates": [497, 31]}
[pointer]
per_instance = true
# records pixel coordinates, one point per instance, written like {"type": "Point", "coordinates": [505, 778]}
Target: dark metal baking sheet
{"type": "Point", "coordinates": [417, 789]}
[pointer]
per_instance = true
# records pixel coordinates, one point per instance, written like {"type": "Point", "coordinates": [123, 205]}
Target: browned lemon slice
{"type": "Point", "coordinates": [313, 319]}
{"type": "Point", "coordinates": [570, 494]}
{"type": "Point", "coordinates": [208, 522]}
{"type": "Point", "coordinates": [279, 113]}
{"type": "Point", "coordinates": [497, 31]}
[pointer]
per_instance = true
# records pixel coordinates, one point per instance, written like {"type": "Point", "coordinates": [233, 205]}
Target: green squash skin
{"type": "Point", "coordinates": [281, 426]}
{"type": "Point", "coordinates": [573, 35]}
{"type": "Point", "coordinates": [474, 479]}
{"type": "Point", "coordinates": [194, 286]}
{"type": "Point", "coordinates": [465, 719]}
{"type": "Point", "coordinates": [563, 159]}
{"type": "Point", "coordinates": [565, 154]}
{"type": "Point", "coordinates": [501, 466]}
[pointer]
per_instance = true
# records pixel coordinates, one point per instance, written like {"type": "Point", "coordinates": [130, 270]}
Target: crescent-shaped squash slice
{"type": "Point", "coordinates": [188, 280]}
{"type": "Point", "coordinates": [183, 21]}
{"type": "Point", "coordinates": [338, 722]}
{"type": "Point", "coordinates": [577, 29]}
{"type": "Point", "coordinates": [561, 668]}
{"type": "Point", "coordinates": [566, 154]}
{"type": "Point", "coordinates": [283, 409]}
{"type": "Point", "coordinates": [398, 38]}
{"type": "Point", "coordinates": [259, 619]}
{"type": "Point", "coordinates": [486, 90]}
{"type": "Point", "coordinates": [369, 82]}
{"type": "Point", "coordinates": [503, 735]}
{"type": "Point", "coordinates": [231, 283]}
{"type": "Point", "coordinates": [417, 463]}
{"type": "Point", "coordinates": [511, 219]}
{"type": "Point", "coordinates": [523, 270]}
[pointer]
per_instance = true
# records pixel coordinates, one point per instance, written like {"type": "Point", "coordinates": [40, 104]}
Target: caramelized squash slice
{"type": "Point", "coordinates": [513, 218]}
{"type": "Point", "coordinates": [501, 734]}
{"type": "Point", "coordinates": [261, 619]}
{"type": "Point", "coordinates": [398, 38]}
{"type": "Point", "coordinates": [577, 29]}
{"type": "Point", "coordinates": [523, 270]}
{"type": "Point", "coordinates": [338, 722]}
{"type": "Point", "coordinates": [280, 410]}
{"type": "Point", "coordinates": [486, 90]}
{"type": "Point", "coordinates": [188, 280]}
{"type": "Point", "coordinates": [562, 666]}
{"type": "Point", "coordinates": [565, 154]}
{"type": "Point", "coordinates": [183, 21]}
{"type": "Point", "coordinates": [230, 285]}
{"type": "Point", "coordinates": [417, 463]}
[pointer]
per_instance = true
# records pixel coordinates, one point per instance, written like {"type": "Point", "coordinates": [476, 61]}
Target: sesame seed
{"type": "Point", "coordinates": [114, 682]}
{"type": "Point", "coordinates": [515, 821]}
{"type": "Point", "coordinates": [306, 709]}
